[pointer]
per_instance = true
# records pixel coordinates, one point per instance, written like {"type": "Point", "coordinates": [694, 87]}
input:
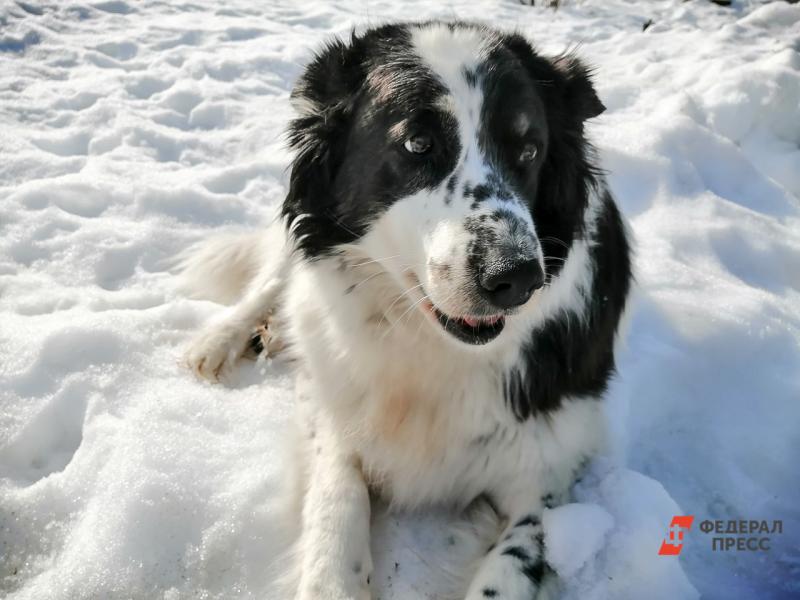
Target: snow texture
{"type": "Point", "coordinates": [586, 522]}
{"type": "Point", "coordinates": [130, 130]}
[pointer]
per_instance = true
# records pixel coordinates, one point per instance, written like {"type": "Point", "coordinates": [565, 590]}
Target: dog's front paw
{"type": "Point", "coordinates": [214, 352]}
{"type": "Point", "coordinates": [539, 584]}
{"type": "Point", "coordinates": [321, 593]}
{"type": "Point", "coordinates": [336, 578]}
{"type": "Point", "coordinates": [334, 587]}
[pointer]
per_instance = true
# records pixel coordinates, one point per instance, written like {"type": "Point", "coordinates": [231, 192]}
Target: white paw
{"type": "Point", "coordinates": [333, 589]}
{"type": "Point", "coordinates": [511, 585]}
{"type": "Point", "coordinates": [331, 578]}
{"type": "Point", "coordinates": [214, 352]}
{"type": "Point", "coordinates": [321, 593]}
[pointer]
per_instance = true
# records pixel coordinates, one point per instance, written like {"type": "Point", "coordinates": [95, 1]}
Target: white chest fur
{"type": "Point", "coordinates": [427, 420]}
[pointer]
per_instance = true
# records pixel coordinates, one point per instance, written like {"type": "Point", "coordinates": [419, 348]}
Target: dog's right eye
{"type": "Point", "coordinates": [419, 143]}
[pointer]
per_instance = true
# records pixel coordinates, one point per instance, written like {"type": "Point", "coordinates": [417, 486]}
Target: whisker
{"type": "Point", "coordinates": [445, 301]}
{"type": "Point", "coordinates": [406, 266]}
{"type": "Point", "coordinates": [422, 321]}
{"type": "Point", "coordinates": [555, 240]}
{"type": "Point", "coordinates": [340, 224]}
{"type": "Point", "coordinates": [419, 329]}
{"type": "Point", "coordinates": [396, 300]}
{"type": "Point", "coordinates": [366, 279]}
{"type": "Point", "coordinates": [375, 260]}
{"type": "Point", "coordinates": [414, 305]}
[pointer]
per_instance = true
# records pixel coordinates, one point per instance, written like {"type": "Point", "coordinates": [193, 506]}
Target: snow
{"type": "Point", "coordinates": [621, 511]}
{"type": "Point", "coordinates": [586, 522]}
{"type": "Point", "coordinates": [132, 129]}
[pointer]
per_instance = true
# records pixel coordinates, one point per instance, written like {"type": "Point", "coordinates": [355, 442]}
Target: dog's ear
{"type": "Point", "coordinates": [324, 98]}
{"type": "Point", "coordinates": [578, 92]}
{"type": "Point", "coordinates": [329, 79]}
{"type": "Point", "coordinates": [564, 79]}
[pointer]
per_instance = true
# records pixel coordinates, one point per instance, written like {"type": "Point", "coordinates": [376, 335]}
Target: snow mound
{"type": "Point", "coordinates": [574, 533]}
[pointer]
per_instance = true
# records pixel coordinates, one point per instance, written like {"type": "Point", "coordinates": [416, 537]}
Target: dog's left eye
{"type": "Point", "coordinates": [418, 144]}
{"type": "Point", "coordinates": [528, 154]}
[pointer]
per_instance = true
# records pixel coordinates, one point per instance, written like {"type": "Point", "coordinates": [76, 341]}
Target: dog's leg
{"type": "Point", "coordinates": [251, 270]}
{"type": "Point", "coordinates": [216, 349]}
{"type": "Point", "coordinates": [334, 546]}
{"type": "Point", "coordinates": [515, 567]}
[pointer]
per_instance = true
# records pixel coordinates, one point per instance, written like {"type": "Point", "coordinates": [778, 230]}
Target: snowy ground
{"type": "Point", "coordinates": [132, 129]}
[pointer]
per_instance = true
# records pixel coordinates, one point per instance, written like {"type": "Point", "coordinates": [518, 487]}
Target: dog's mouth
{"type": "Point", "coordinates": [470, 330]}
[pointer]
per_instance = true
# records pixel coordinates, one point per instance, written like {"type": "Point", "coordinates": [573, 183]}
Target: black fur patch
{"type": "Point", "coordinates": [451, 183]}
{"type": "Point", "coordinates": [256, 343]}
{"type": "Point", "coordinates": [534, 572]}
{"type": "Point", "coordinates": [531, 520]}
{"type": "Point", "coordinates": [517, 552]}
{"type": "Point", "coordinates": [568, 355]}
{"type": "Point", "coordinates": [471, 77]}
{"type": "Point", "coordinates": [348, 168]}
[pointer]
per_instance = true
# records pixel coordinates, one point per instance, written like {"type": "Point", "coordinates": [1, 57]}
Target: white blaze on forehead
{"type": "Point", "coordinates": [448, 51]}
{"type": "Point", "coordinates": [450, 54]}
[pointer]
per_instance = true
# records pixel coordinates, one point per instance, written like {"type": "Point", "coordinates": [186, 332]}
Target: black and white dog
{"type": "Point", "coordinates": [449, 274]}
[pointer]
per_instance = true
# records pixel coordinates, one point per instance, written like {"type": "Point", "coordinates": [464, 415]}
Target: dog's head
{"type": "Point", "coordinates": [453, 155]}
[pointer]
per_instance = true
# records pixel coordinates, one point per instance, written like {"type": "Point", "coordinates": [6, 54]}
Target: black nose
{"type": "Point", "coordinates": [508, 284]}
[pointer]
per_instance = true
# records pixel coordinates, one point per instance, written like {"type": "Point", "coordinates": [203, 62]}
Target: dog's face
{"type": "Point", "coordinates": [450, 154]}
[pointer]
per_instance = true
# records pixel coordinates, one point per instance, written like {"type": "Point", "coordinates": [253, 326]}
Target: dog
{"type": "Point", "coordinates": [448, 272]}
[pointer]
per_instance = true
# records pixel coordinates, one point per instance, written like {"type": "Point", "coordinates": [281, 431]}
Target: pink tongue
{"type": "Point", "coordinates": [473, 322]}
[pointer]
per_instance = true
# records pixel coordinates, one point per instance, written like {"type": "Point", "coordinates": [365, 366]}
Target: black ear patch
{"type": "Point", "coordinates": [579, 93]}
{"type": "Point", "coordinates": [327, 96]}
{"type": "Point", "coordinates": [334, 73]}
{"type": "Point", "coordinates": [324, 97]}
{"type": "Point", "coordinates": [570, 79]}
